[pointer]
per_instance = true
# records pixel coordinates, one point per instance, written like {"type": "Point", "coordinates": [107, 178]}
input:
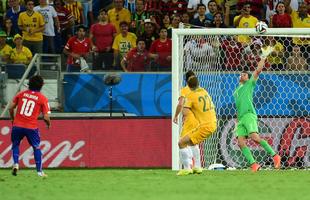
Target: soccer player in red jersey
{"type": "Point", "coordinates": [29, 104]}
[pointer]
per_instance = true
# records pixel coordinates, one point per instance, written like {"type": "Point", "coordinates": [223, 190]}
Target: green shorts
{"type": "Point", "coordinates": [247, 125]}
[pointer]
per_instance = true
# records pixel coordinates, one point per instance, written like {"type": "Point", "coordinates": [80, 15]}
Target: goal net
{"type": "Point", "coordinates": [281, 96]}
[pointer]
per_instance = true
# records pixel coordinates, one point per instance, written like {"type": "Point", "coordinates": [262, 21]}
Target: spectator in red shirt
{"type": "Point", "coordinates": [66, 21]}
{"type": "Point", "coordinates": [65, 17]}
{"type": "Point", "coordinates": [101, 36]}
{"type": "Point", "coordinates": [136, 60]}
{"type": "Point", "coordinates": [176, 7]}
{"type": "Point", "coordinates": [76, 48]}
{"type": "Point", "coordinates": [160, 51]}
{"type": "Point", "coordinates": [154, 8]}
{"type": "Point", "coordinates": [280, 19]}
{"type": "Point", "coordinates": [30, 104]}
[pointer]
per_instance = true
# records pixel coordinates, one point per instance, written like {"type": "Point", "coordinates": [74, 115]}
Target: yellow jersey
{"type": "Point", "coordinates": [185, 91]}
{"type": "Point", "coordinates": [201, 104]}
{"type": "Point", "coordinates": [32, 22]}
{"type": "Point", "coordinates": [6, 51]}
{"type": "Point", "coordinates": [189, 120]}
{"type": "Point", "coordinates": [75, 9]}
{"type": "Point", "coordinates": [22, 57]}
{"type": "Point", "coordinates": [124, 44]}
{"type": "Point", "coordinates": [115, 17]}
{"type": "Point", "coordinates": [300, 23]}
{"type": "Point", "coordinates": [246, 22]}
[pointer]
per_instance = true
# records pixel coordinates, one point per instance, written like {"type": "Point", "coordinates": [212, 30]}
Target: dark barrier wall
{"type": "Point", "coordinates": [150, 94]}
{"type": "Point", "coordinates": [134, 143]}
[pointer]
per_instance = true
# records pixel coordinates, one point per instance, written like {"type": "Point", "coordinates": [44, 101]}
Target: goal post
{"type": "Point", "coordinates": [219, 75]}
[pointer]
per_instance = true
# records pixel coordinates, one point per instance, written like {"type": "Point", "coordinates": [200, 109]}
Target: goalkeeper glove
{"type": "Point", "coordinates": [266, 52]}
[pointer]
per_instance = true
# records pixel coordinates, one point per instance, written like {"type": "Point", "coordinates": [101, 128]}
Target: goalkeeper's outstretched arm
{"type": "Point", "coordinates": [259, 68]}
{"type": "Point", "coordinates": [261, 63]}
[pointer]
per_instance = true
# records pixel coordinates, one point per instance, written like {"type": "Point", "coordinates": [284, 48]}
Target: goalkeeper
{"type": "Point", "coordinates": [247, 117]}
{"type": "Point", "coordinates": [200, 103]}
{"type": "Point", "coordinates": [189, 123]}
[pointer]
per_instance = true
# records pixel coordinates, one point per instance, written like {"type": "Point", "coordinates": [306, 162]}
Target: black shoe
{"type": "Point", "coordinates": [14, 170]}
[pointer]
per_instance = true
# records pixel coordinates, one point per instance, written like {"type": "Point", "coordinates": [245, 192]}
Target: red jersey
{"type": "Point", "coordinates": [74, 45]}
{"type": "Point", "coordinates": [282, 21]}
{"type": "Point", "coordinates": [179, 7]}
{"type": "Point", "coordinates": [30, 104]}
{"type": "Point", "coordinates": [136, 61]}
{"type": "Point", "coordinates": [163, 49]}
{"type": "Point", "coordinates": [154, 8]}
{"type": "Point", "coordinates": [64, 16]}
{"type": "Point", "coordinates": [152, 5]}
{"type": "Point", "coordinates": [103, 35]}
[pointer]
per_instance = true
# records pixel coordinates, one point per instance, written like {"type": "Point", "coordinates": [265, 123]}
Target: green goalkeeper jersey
{"type": "Point", "coordinates": [243, 96]}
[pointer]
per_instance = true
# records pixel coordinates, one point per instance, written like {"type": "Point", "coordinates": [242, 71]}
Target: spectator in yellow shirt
{"type": "Point", "coordinates": [122, 44]}
{"type": "Point", "coordinates": [301, 19]}
{"type": "Point", "coordinates": [32, 25]}
{"type": "Point", "coordinates": [118, 14]}
{"type": "Point", "coordinates": [275, 58]}
{"type": "Point", "coordinates": [20, 54]}
{"type": "Point", "coordinates": [5, 49]}
{"type": "Point", "coordinates": [245, 20]}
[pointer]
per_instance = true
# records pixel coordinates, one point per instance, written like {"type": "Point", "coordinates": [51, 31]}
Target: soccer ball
{"type": "Point", "coordinates": [261, 27]}
{"type": "Point", "coordinates": [216, 166]}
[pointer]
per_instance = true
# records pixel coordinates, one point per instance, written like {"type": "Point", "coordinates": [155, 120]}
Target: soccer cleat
{"type": "Point", "coordinates": [197, 170]}
{"type": "Point", "coordinates": [184, 172]}
{"type": "Point", "coordinates": [255, 167]}
{"type": "Point", "coordinates": [15, 169]}
{"type": "Point", "coordinates": [42, 174]}
{"type": "Point", "coordinates": [277, 161]}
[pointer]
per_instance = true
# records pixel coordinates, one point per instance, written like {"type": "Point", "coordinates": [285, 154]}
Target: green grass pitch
{"type": "Point", "coordinates": [161, 184]}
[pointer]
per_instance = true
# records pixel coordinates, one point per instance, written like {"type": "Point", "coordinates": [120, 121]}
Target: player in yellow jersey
{"type": "Point", "coordinates": [189, 123]}
{"type": "Point", "coordinates": [200, 103]}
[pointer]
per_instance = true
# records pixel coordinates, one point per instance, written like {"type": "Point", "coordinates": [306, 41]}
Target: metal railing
{"type": "Point", "coordinates": [38, 61]}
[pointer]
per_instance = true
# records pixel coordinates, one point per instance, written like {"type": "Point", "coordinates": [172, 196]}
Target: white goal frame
{"type": "Point", "coordinates": [177, 42]}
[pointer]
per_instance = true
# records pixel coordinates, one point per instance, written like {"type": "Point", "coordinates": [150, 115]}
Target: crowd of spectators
{"type": "Point", "coordinates": [135, 35]}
